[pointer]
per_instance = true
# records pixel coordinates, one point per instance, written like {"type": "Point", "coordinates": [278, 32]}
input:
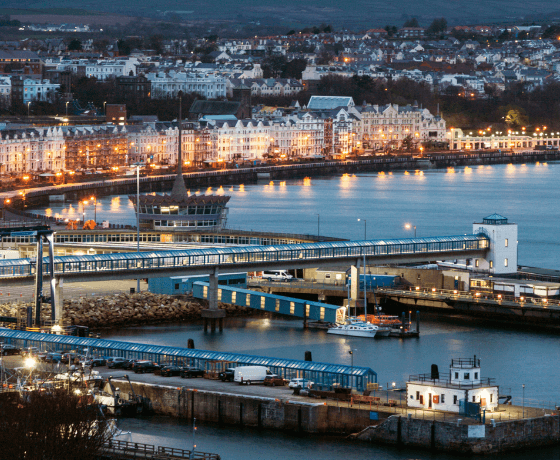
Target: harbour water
{"type": "Point", "coordinates": [437, 203]}
{"type": "Point", "coordinates": [513, 357]}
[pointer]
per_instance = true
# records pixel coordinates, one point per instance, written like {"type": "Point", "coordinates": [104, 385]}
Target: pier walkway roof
{"type": "Point", "coordinates": [320, 373]}
{"type": "Point", "coordinates": [248, 258]}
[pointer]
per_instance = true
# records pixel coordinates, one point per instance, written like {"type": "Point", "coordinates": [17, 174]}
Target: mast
{"type": "Point", "coordinates": [179, 190]}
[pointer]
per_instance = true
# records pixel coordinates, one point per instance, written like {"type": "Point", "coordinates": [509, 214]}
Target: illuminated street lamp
{"type": "Point", "coordinates": [94, 199]}
{"type": "Point", "coordinates": [408, 227]}
{"type": "Point", "coordinates": [28, 104]}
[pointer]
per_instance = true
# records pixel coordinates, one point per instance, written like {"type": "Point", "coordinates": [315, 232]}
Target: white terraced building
{"type": "Point", "coordinates": [168, 85]}
{"type": "Point", "coordinates": [32, 149]}
{"type": "Point", "coordinates": [382, 126]}
{"type": "Point", "coordinates": [39, 90]}
{"type": "Point", "coordinates": [105, 69]}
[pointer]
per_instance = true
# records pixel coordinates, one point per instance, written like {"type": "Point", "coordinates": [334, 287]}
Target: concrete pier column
{"type": "Point", "coordinates": [213, 314]}
{"type": "Point", "coordinates": [354, 285]}
{"type": "Point", "coordinates": [58, 299]}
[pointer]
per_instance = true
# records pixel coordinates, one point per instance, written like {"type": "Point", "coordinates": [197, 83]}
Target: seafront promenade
{"type": "Point", "coordinates": [30, 197]}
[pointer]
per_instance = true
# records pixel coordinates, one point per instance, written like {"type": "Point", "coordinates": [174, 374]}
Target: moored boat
{"type": "Point", "coordinates": [354, 329]}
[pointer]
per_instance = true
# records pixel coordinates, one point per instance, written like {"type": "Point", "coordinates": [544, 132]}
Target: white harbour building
{"type": "Point", "coordinates": [453, 392]}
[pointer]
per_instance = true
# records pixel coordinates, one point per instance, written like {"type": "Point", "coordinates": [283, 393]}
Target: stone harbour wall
{"type": "Point", "coordinates": [463, 438]}
{"type": "Point", "coordinates": [124, 309]}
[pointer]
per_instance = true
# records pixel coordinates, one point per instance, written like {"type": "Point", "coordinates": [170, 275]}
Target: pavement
{"type": "Point", "coordinates": [16, 293]}
{"type": "Point", "coordinates": [285, 394]}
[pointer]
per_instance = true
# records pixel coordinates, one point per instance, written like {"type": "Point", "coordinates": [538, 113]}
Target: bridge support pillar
{"type": "Point", "coordinates": [58, 299]}
{"type": "Point", "coordinates": [213, 314]}
{"type": "Point", "coordinates": [354, 285]}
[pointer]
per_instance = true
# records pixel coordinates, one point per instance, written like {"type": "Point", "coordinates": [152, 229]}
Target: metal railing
{"type": "Point", "coordinates": [472, 296]}
{"type": "Point", "coordinates": [125, 449]}
{"type": "Point", "coordinates": [254, 257]}
{"type": "Point", "coordinates": [427, 378]}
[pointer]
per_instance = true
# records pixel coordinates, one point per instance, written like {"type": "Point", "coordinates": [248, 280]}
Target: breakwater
{"type": "Point", "coordinates": [315, 417]}
{"type": "Point", "coordinates": [465, 439]}
{"type": "Point", "coordinates": [123, 310]}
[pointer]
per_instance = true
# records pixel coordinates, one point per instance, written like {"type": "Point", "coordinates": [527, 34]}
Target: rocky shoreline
{"type": "Point", "coordinates": [125, 310]}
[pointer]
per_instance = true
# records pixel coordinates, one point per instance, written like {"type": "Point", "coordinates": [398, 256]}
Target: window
{"type": "Point", "coordinates": [476, 262]}
{"type": "Point", "coordinates": [474, 399]}
{"type": "Point", "coordinates": [505, 262]}
{"type": "Point", "coordinates": [491, 264]}
{"type": "Point", "coordinates": [417, 395]}
{"type": "Point", "coordinates": [491, 395]}
{"type": "Point", "coordinates": [506, 242]}
{"type": "Point", "coordinates": [456, 375]}
{"type": "Point", "coordinates": [466, 376]}
{"type": "Point", "coordinates": [442, 398]}
{"type": "Point", "coordinates": [476, 375]}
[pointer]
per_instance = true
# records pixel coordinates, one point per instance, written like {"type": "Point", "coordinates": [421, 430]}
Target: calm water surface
{"type": "Point", "coordinates": [438, 203]}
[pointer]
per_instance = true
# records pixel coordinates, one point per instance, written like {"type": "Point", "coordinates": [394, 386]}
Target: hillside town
{"type": "Point", "coordinates": [263, 98]}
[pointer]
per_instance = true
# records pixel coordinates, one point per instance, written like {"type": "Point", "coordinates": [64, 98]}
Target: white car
{"type": "Point", "coordinates": [300, 382]}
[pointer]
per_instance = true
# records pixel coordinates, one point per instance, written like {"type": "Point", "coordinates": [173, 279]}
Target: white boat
{"type": "Point", "coordinates": [354, 329]}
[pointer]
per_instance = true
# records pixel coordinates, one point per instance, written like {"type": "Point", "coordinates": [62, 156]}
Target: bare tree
{"type": "Point", "coordinates": [50, 426]}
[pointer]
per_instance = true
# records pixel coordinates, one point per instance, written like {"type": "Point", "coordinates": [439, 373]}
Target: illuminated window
{"type": "Point", "coordinates": [248, 300]}
{"type": "Point", "coordinates": [233, 297]}
{"type": "Point", "coordinates": [476, 262]}
{"type": "Point", "coordinates": [263, 300]}
{"type": "Point", "coordinates": [205, 292]}
{"type": "Point", "coordinates": [277, 305]}
{"type": "Point", "coordinates": [506, 242]}
{"type": "Point", "coordinates": [491, 264]}
{"type": "Point", "coordinates": [219, 294]}
{"type": "Point", "coordinates": [505, 262]}
{"type": "Point", "coordinates": [322, 314]}
{"type": "Point", "coordinates": [292, 308]}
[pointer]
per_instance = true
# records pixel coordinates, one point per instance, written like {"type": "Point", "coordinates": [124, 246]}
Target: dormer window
{"type": "Point", "coordinates": [467, 376]}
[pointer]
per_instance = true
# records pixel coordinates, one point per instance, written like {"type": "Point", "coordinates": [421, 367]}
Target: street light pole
{"type": "Point", "coordinates": [66, 108]}
{"type": "Point", "coordinates": [28, 104]}
{"type": "Point", "coordinates": [137, 218]}
{"type": "Point", "coordinates": [523, 400]}
{"type": "Point", "coordinates": [365, 284]}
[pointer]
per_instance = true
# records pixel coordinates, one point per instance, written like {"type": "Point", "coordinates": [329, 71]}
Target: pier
{"type": "Point", "coordinates": [537, 311]}
{"type": "Point", "coordinates": [125, 450]}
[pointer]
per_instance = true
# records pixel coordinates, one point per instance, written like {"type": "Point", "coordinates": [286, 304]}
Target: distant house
{"type": "Point", "coordinates": [200, 109]}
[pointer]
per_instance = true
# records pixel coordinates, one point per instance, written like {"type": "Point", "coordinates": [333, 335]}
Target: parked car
{"type": "Point", "coordinates": [227, 375]}
{"type": "Point", "coordinates": [9, 349]}
{"type": "Point", "coordinates": [142, 367]}
{"type": "Point", "coordinates": [30, 351]}
{"type": "Point", "coordinates": [53, 358]}
{"type": "Point", "coordinates": [118, 363]}
{"type": "Point", "coordinates": [170, 371]}
{"type": "Point", "coordinates": [189, 372]}
{"type": "Point", "coordinates": [274, 380]}
{"type": "Point", "coordinates": [93, 362]}
{"type": "Point", "coordinates": [300, 382]}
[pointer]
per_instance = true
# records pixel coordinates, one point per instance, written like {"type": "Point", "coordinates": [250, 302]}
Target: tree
{"type": "Point", "coordinates": [391, 30]}
{"type": "Point", "coordinates": [75, 45]}
{"type": "Point", "coordinates": [437, 26]}
{"type": "Point", "coordinates": [50, 425]}
{"type": "Point", "coordinates": [411, 23]}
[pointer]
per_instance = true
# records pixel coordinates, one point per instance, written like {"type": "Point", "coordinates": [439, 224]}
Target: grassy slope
{"type": "Point", "coordinates": [362, 12]}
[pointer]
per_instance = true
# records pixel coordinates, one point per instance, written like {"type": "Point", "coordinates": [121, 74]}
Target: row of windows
{"type": "Point", "coordinates": [197, 223]}
{"type": "Point", "coordinates": [180, 210]}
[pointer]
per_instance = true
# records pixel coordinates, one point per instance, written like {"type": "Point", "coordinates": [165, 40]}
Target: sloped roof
{"type": "Point", "coordinates": [329, 102]}
{"type": "Point", "coordinates": [215, 107]}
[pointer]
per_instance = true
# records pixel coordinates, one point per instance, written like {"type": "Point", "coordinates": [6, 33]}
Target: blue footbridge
{"type": "Point", "coordinates": [321, 373]}
{"type": "Point", "coordinates": [206, 261]}
{"type": "Point", "coordinates": [288, 306]}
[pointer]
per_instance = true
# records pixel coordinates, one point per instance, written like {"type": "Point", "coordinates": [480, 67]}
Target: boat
{"type": "Point", "coordinates": [354, 329]}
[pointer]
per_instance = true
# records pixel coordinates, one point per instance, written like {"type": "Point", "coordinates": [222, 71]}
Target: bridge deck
{"type": "Point", "coordinates": [249, 258]}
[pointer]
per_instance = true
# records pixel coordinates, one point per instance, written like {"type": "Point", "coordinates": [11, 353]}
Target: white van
{"type": "Point", "coordinates": [250, 374]}
{"type": "Point", "coordinates": [276, 275]}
